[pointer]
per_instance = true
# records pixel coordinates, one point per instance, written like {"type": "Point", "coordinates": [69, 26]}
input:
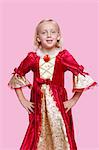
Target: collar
{"type": "Point", "coordinates": [52, 53]}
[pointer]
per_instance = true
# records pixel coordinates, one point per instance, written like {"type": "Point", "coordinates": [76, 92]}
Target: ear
{"type": "Point", "coordinates": [58, 38]}
{"type": "Point", "coordinates": [38, 39]}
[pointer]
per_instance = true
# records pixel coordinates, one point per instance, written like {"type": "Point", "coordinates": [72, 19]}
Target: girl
{"type": "Point", "coordinates": [50, 117]}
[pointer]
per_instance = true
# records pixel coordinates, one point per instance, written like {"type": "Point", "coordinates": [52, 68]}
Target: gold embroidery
{"type": "Point", "coordinates": [80, 81]}
{"type": "Point", "coordinates": [53, 132]}
{"type": "Point", "coordinates": [17, 81]}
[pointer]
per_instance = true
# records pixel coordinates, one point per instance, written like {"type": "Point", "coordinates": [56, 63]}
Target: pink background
{"type": "Point", "coordinates": [78, 21]}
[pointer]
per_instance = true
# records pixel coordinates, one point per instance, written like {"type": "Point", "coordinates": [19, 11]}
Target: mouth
{"type": "Point", "coordinates": [49, 41]}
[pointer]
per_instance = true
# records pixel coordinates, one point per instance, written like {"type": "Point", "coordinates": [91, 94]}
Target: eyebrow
{"type": "Point", "coordinates": [46, 29]}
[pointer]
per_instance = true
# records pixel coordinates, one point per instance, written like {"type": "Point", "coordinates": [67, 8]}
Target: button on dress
{"type": "Point", "coordinates": [50, 127]}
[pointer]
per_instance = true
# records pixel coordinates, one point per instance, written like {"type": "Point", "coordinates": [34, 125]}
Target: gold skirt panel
{"type": "Point", "coordinates": [53, 131]}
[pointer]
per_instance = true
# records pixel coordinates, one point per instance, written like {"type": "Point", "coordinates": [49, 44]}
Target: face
{"type": "Point", "coordinates": [48, 35]}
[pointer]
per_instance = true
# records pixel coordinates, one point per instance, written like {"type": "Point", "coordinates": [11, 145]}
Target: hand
{"type": "Point", "coordinates": [69, 104]}
{"type": "Point", "coordinates": [28, 105]}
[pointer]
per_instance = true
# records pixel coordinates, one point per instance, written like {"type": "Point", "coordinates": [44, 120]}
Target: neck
{"type": "Point", "coordinates": [42, 52]}
{"type": "Point", "coordinates": [48, 50]}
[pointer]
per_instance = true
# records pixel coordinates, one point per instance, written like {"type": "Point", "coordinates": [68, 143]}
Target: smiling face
{"type": "Point", "coordinates": [48, 34]}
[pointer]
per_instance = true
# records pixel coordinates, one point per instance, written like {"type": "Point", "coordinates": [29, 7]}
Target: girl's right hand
{"type": "Point", "coordinates": [28, 105]}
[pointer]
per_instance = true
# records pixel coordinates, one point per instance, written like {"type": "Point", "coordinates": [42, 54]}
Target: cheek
{"type": "Point", "coordinates": [43, 38]}
{"type": "Point", "coordinates": [54, 37]}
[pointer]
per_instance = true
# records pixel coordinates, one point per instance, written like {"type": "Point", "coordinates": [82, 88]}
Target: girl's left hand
{"type": "Point", "coordinates": [69, 104]}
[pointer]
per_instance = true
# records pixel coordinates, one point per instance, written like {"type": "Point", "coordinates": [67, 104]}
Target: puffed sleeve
{"type": "Point", "coordinates": [18, 79]}
{"type": "Point", "coordinates": [81, 79]}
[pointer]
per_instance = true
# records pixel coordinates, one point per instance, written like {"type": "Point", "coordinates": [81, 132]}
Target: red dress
{"type": "Point", "coordinates": [50, 127]}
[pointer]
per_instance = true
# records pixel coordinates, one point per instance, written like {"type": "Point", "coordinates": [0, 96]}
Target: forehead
{"type": "Point", "coordinates": [47, 26]}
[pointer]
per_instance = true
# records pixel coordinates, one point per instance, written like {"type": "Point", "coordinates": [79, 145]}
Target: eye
{"type": "Point", "coordinates": [43, 32]}
{"type": "Point", "coordinates": [53, 31]}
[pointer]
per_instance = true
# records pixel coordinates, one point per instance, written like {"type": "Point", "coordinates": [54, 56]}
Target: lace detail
{"type": "Point", "coordinates": [47, 68]}
{"type": "Point", "coordinates": [17, 81]}
{"type": "Point", "coordinates": [52, 53]}
{"type": "Point", "coordinates": [81, 82]}
{"type": "Point", "coordinates": [53, 131]}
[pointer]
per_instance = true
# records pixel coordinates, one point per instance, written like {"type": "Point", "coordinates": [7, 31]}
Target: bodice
{"type": "Point", "coordinates": [46, 68]}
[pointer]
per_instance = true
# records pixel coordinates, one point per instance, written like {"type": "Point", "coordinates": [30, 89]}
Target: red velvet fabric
{"type": "Point", "coordinates": [64, 61]}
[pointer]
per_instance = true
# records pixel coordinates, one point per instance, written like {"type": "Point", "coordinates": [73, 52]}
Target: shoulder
{"type": "Point", "coordinates": [31, 54]}
{"type": "Point", "coordinates": [64, 53]}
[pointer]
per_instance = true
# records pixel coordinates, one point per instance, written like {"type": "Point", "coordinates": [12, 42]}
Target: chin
{"type": "Point", "coordinates": [49, 46]}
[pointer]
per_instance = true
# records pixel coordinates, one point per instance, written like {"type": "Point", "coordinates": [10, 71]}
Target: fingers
{"type": "Point", "coordinates": [67, 110]}
{"type": "Point", "coordinates": [28, 110]}
{"type": "Point", "coordinates": [30, 107]}
{"type": "Point", "coordinates": [32, 104]}
{"type": "Point", "coordinates": [67, 106]}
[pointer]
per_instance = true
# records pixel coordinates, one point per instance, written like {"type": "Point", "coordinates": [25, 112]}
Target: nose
{"type": "Point", "coordinates": [49, 34]}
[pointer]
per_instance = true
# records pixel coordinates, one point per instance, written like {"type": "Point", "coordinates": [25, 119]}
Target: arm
{"type": "Point", "coordinates": [81, 80]}
{"type": "Point", "coordinates": [77, 95]}
{"type": "Point", "coordinates": [70, 103]}
{"type": "Point", "coordinates": [20, 95]}
{"type": "Point", "coordinates": [25, 103]}
{"type": "Point", "coordinates": [80, 84]}
{"type": "Point", "coordinates": [18, 80]}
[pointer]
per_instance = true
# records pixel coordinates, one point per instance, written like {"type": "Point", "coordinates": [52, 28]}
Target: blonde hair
{"type": "Point", "coordinates": [37, 43]}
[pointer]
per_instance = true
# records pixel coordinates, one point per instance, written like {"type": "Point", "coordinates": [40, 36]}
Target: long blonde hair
{"type": "Point", "coordinates": [37, 43]}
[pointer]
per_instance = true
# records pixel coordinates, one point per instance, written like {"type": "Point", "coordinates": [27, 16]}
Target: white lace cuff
{"type": "Point", "coordinates": [17, 81]}
{"type": "Point", "coordinates": [81, 82]}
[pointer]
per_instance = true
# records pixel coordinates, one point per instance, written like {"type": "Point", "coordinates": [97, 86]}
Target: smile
{"type": "Point", "coordinates": [49, 41]}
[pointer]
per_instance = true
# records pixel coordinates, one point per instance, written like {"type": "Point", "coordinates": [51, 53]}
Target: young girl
{"type": "Point", "coordinates": [50, 117]}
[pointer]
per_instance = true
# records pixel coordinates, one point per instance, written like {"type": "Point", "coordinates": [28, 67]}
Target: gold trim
{"type": "Point", "coordinates": [17, 81]}
{"type": "Point", "coordinates": [53, 131]}
{"type": "Point", "coordinates": [81, 81]}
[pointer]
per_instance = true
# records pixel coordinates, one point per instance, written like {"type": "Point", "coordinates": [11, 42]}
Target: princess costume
{"type": "Point", "coordinates": [50, 127]}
